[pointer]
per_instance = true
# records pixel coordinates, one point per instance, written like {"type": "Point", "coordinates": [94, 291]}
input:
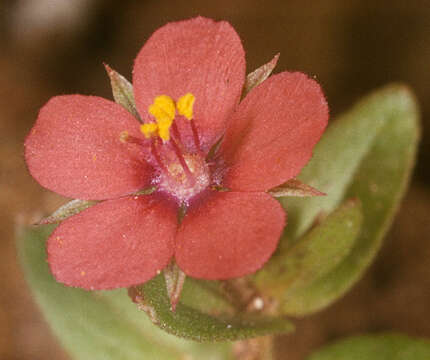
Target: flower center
{"type": "Point", "coordinates": [184, 185]}
{"type": "Point", "coordinates": [181, 173]}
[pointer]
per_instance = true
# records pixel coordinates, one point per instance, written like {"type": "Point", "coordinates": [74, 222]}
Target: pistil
{"type": "Point", "coordinates": [180, 156]}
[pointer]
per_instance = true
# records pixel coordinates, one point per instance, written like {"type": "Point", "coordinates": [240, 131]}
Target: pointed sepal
{"type": "Point", "coordinates": [71, 208]}
{"type": "Point", "coordinates": [294, 187]}
{"type": "Point", "coordinates": [174, 278]}
{"type": "Point", "coordinates": [122, 91]}
{"type": "Point", "coordinates": [259, 75]}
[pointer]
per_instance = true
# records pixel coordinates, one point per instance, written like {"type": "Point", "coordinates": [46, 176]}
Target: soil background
{"type": "Point", "coordinates": [51, 47]}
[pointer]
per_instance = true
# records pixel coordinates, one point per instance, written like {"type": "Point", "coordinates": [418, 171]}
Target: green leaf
{"type": "Point", "coordinates": [344, 146]}
{"type": "Point", "coordinates": [376, 347]}
{"type": "Point", "coordinates": [122, 91]}
{"type": "Point", "coordinates": [100, 325]}
{"type": "Point", "coordinates": [192, 324]}
{"type": "Point", "coordinates": [207, 296]}
{"type": "Point", "coordinates": [320, 250]}
{"type": "Point", "coordinates": [71, 208]}
{"type": "Point", "coordinates": [369, 154]}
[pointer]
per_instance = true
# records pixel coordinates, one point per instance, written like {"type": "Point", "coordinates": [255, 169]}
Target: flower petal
{"type": "Point", "coordinates": [117, 243]}
{"type": "Point", "coordinates": [272, 134]}
{"type": "Point", "coordinates": [75, 150]}
{"type": "Point", "coordinates": [231, 234]}
{"type": "Point", "coordinates": [198, 56]}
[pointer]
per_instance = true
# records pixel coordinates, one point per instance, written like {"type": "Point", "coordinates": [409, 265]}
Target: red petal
{"type": "Point", "coordinates": [75, 150]}
{"type": "Point", "coordinates": [230, 235]}
{"type": "Point", "coordinates": [271, 136]}
{"type": "Point", "coordinates": [199, 56]}
{"type": "Point", "coordinates": [117, 243]}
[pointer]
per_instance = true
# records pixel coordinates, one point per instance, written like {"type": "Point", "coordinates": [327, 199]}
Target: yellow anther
{"type": "Point", "coordinates": [185, 105]}
{"type": "Point", "coordinates": [163, 108]}
{"type": "Point", "coordinates": [149, 129]}
{"type": "Point", "coordinates": [164, 131]}
{"type": "Point", "coordinates": [164, 128]}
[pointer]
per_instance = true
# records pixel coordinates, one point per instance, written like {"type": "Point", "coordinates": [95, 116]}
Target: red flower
{"type": "Point", "coordinates": [188, 79]}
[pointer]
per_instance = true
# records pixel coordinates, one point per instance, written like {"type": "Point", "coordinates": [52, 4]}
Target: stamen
{"type": "Point", "coordinates": [176, 132]}
{"type": "Point", "coordinates": [185, 105]}
{"type": "Point", "coordinates": [149, 129]}
{"type": "Point", "coordinates": [154, 144]}
{"type": "Point", "coordinates": [164, 128]}
{"type": "Point", "coordinates": [183, 163]}
{"type": "Point", "coordinates": [195, 135]}
{"type": "Point", "coordinates": [163, 108]}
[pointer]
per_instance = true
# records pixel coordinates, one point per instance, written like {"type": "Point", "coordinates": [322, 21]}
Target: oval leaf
{"type": "Point", "coordinates": [207, 296]}
{"type": "Point", "coordinates": [192, 324]}
{"type": "Point", "coordinates": [316, 254]}
{"type": "Point", "coordinates": [343, 147]}
{"type": "Point", "coordinates": [100, 325]}
{"type": "Point", "coordinates": [378, 176]}
{"type": "Point", "coordinates": [376, 347]}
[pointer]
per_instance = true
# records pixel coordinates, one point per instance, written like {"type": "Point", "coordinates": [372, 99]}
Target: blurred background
{"type": "Point", "coordinates": [51, 47]}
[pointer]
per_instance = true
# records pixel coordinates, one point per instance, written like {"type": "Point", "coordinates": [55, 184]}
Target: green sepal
{"type": "Point", "coordinates": [71, 208]}
{"type": "Point", "coordinates": [122, 91]}
{"type": "Point", "coordinates": [174, 278]}
{"type": "Point", "coordinates": [294, 187]}
{"type": "Point", "coordinates": [259, 75]}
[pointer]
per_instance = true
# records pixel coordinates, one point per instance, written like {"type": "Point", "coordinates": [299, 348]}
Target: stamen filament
{"type": "Point", "coordinates": [176, 132]}
{"type": "Point", "coordinates": [154, 150]}
{"type": "Point", "coordinates": [182, 161]}
{"type": "Point", "coordinates": [195, 136]}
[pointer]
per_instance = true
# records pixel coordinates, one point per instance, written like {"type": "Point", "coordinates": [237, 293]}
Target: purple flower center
{"type": "Point", "coordinates": [184, 179]}
{"type": "Point", "coordinates": [179, 173]}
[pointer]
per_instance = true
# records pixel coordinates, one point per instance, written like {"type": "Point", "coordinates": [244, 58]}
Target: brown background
{"type": "Point", "coordinates": [49, 47]}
